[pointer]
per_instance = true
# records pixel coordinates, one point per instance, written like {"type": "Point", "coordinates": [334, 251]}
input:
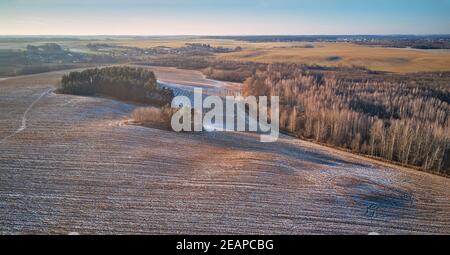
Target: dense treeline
{"type": "Point", "coordinates": [239, 71]}
{"type": "Point", "coordinates": [34, 69]}
{"type": "Point", "coordinates": [396, 41]}
{"type": "Point", "coordinates": [45, 58]}
{"type": "Point", "coordinates": [232, 71]}
{"type": "Point", "coordinates": [397, 121]}
{"type": "Point", "coordinates": [126, 83]}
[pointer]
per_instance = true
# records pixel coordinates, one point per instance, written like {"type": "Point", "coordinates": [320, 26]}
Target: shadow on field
{"type": "Point", "coordinates": [250, 142]}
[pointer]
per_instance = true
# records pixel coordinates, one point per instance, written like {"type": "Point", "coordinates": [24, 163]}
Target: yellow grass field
{"type": "Point", "coordinates": [326, 54]}
{"type": "Point", "coordinates": [346, 54]}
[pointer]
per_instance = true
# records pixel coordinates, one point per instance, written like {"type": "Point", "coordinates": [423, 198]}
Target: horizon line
{"type": "Point", "coordinates": [222, 35]}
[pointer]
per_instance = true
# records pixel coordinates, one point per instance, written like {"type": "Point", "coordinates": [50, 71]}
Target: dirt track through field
{"type": "Point", "coordinates": [75, 167]}
{"type": "Point", "coordinates": [24, 117]}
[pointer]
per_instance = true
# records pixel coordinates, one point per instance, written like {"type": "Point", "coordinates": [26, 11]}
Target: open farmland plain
{"type": "Point", "coordinates": [397, 60]}
{"type": "Point", "coordinates": [348, 54]}
{"type": "Point", "coordinates": [331, 54]}
{"type": "Point", "coordinates": [70, 164]}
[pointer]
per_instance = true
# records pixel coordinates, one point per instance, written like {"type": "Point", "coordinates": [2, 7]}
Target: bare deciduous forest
{"type": "Point", "coordinates": [396, 120]}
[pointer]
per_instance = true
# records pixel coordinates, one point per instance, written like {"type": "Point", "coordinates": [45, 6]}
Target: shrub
{"type": "Point", "coordinates": [152, 116]}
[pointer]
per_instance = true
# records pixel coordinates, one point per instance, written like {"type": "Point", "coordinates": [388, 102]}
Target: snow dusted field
{"type": "Point", "coordinates": [69, 164]}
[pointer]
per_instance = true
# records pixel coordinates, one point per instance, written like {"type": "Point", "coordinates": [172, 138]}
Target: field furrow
{"type": "Point", "coordinates": [77, 168]}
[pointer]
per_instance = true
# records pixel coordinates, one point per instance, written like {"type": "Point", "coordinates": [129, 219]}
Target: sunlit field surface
{"type": "Point", "coordinates": [71, 164]}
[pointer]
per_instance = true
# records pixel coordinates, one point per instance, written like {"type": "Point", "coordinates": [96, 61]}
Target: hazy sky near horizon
{"type": "Point", "coordinates": [223, 17]}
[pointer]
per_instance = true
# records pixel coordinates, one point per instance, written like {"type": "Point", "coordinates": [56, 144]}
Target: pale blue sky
{"type": "Point", "coordinates": [223, 17]}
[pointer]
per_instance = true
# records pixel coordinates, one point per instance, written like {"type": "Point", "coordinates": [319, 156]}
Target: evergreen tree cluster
{"type": "Point", "coordinates": [124, 83]}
